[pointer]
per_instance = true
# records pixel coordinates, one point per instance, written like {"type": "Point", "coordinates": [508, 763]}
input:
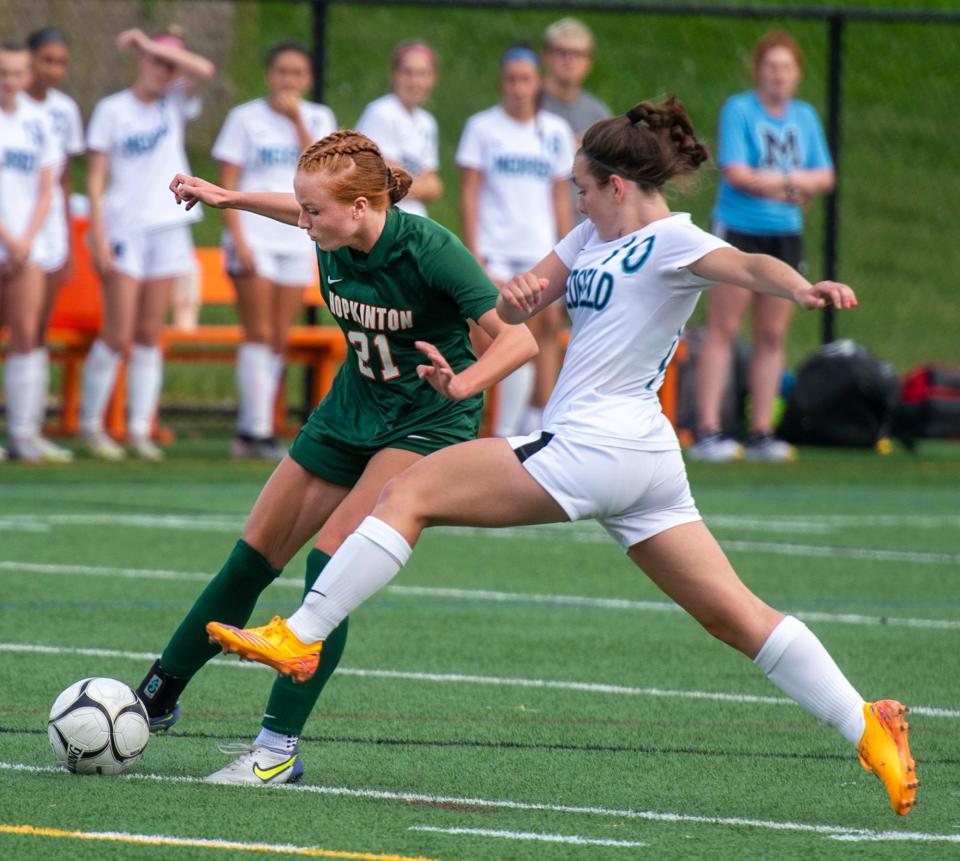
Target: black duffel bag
{"type": "Point", "coordinates": [843, 396]}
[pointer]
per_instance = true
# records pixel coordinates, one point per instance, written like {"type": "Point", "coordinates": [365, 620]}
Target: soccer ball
{"type": "Point", "coordinates": [98, 726]}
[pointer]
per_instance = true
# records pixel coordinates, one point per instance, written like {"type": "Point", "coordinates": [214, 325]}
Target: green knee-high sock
{"type": "Point", "coordinates": [290, 703]}
{"type": "Point", "coordinates": [229, 597]}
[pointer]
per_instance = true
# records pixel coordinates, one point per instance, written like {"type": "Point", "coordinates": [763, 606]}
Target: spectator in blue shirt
{"type": "Point", "coordinates": [773, 160]}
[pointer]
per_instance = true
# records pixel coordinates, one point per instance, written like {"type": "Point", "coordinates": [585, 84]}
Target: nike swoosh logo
{"type": "Point", "coordinates": [266, 774]}
{"type": "Point", "coordinates": [333, 280]}
{"type": "Point", "coordinates": [417, 436]}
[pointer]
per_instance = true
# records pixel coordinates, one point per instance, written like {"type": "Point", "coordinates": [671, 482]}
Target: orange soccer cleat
{"type": "Point", "coordinates": [274, 645]}
{"type": "Point", "coordinates": [885, 751]}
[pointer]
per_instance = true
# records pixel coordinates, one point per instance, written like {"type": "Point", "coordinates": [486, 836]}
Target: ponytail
{"type": "Point", "coordinates": [648, 145]}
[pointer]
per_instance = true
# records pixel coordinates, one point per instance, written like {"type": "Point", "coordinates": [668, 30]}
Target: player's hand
{"type": "Point", "coordinates": [246, 264]}
{"type": "Point", "coordinates": [523, 292]}
{"type": "Point", "coordinates": [191, 190]}
{"type": "Point", "coordinates": [18, 251]}
{"type": "Point", "coordinates": [827, 293]}
{"type": "Point", "coordinates": [287, 104]}
{"type": "Point", "coordinates": [132, 38]}
{"type": "Point", "coordinates": [102, 258]}
{"type": "Point", "coordinates": [438, 373]}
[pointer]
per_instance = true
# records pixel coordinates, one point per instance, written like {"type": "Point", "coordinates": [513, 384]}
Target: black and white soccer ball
{"type": "Point", "coordinates": [98, 726]}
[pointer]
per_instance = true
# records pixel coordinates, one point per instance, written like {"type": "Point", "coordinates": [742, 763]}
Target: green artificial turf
{"type": "Point", "coordinates": [642, 733]}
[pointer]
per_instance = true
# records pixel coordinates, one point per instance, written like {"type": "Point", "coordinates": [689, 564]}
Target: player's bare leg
{"type": "Point", "coordinates": [688, 565]}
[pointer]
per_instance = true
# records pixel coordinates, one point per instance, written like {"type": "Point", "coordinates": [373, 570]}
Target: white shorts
{"type": "Point", "coordinates": [632, 494]}
{"type": "Point", "coordinates": [147, 255]}
{"type": "Point", "coordinates": [297, 269]}
{"type": "Point", "coordinates": [54, 233]}
{"type": "Point", "coordinates": [504, 270]}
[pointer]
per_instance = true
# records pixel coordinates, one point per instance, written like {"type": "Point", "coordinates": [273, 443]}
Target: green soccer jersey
{"type": "Point", "coordinates": [418, 283]}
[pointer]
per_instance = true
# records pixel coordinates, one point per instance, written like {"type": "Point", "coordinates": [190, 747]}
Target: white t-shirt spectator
{"type": "Point", "coordinates": [144, 143]}
{"type": "Point", "coordinates": [408, 138]}
{"type": "Point", "coordinates": [63, 115]}
{"type": "Point", "coordinates": [519, 161]}
{"type": "Point", "coordinates": [265, 146]}
{"type": "Point", "coordinates": [27, 146]}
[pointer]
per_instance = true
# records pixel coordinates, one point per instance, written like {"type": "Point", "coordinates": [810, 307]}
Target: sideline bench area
{"type": "Point", "coordinates": [76, 321]}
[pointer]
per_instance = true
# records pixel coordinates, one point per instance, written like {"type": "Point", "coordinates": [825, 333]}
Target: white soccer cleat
{"type": "Point", "coordinates": [25, 450]}
{"type": "Point", "coordinates": [767, 448]}
{"type": "Point", "coordinates": [258, 766]}
{"type": "Point", "coordinates": [145, 449]}
{"type": "Point", "coordinates": [102, 446]}
{"type": "Point", "coordinates": [715, 448]}
{"type": "Point", "coordinates": [50, 452]}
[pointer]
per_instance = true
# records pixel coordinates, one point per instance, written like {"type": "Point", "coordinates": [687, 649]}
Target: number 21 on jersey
{"type": "Point", "coordinates": [361, 343]}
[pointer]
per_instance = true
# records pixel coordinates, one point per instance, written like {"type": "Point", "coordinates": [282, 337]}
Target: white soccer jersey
{"type": "Point", "coordinates": [144, 143]}
{"type": "Point", "coordinates": [520, 162]}
{"type": "Point", "coordinates": [63, 114]}
{"type": "Point", "coordinates": [265, 146]}
{"type": "Point", "coordinates": [629, 300]}
{"type": "Point", "coordinates": [408, 138]}
{"type": "Point", "coordinates": [27, 146]}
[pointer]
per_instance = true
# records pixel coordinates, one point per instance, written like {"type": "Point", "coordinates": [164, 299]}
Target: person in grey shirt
{"type": "Point", "coordinates": [568, 58]}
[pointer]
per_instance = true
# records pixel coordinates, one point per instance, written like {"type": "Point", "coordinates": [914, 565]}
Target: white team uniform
{"type": "Point", "coordinates": [520, 162]}
{"type": "Point", "coordinates": [613, 455]}
{"type": "Point", "coordinates": [27, 146]}
{"type": "Point", "coordinates": [149, 234]}
{"type": "Point", "coordinates": [265, 146]}
{"type": "Point", "coordinates": [63, 114]}
{"type": "Point", "coordinates": [408, 138]}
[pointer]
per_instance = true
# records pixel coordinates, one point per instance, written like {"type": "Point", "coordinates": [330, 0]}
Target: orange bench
{"type": "Point", "coordinates": [78, 312]}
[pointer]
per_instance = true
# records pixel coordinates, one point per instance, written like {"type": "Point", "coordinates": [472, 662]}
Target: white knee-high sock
{"type": "Point", "coordinates": [365, 562]}
{"type": "Point", "coordinates": [21, 378]}
{"type": "Point", "coordinates": [513, 396]}
{"type": "Point", "coordinates": [144, 380]}
{"type": "Point", "coordinates": [99, 377]}
{"type": "Point", "coordinates": [255, 384]}
{"type": "Point", "coordinates": [42, 358]}
{"type": "Point", "coordinates": [797, 663]}
{"type": "Point", "coordinates": [277, 365]}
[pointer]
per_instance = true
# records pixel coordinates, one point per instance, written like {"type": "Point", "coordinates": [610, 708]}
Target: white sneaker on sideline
{"type": "Point", "coordinates": [145, 448]}
{"type": "Point", "coordinates": [258, 766]}
{"type": "Point", "coordinates": [25, 450]}
{"type": "Point", "coordinates": [715, 448]}
{"type": "Point", "coordinates": [102, 446]}
{"type": "Point", "coordinates": [51, 452]}
{"type": "Point", "coordinates": [767, 447]}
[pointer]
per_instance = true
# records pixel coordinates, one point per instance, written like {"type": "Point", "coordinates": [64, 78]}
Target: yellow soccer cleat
{"type": "Point", "coordinates": [885, 751]}
{"type": "Point", "coordinates": [274, 645]}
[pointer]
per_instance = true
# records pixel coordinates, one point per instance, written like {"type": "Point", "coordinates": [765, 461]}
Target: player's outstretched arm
{"type": "Point", "coordinates": [762, 273]}
{"type": "Point", "coordinates": [529, 292]}
{"type": "Point", "coordinates": [511, 347]}
{"type": "Point", "coordinates": [191, 190]}
{"type": "Point", "coordinates": [198, 70]}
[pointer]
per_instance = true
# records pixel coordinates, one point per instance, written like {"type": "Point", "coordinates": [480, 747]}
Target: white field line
{"type": "Point", "coordinates": [476, 595]}
{"type": "Point", "coordinates": [507, 804]}
{"type": "Point", "coordinates": [584, 531]}
{"type": "Point", "coordinates": [800, 523]}
{"type": "Point", "coordinates": [459, 678]}
{"type": "Point", "coordinates": [530, 835]}
{"type": "Point", "coordinates": [199, 842]}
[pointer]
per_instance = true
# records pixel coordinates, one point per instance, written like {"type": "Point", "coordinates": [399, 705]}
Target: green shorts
{"type": "Point", "coordinates": [342, 463]}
